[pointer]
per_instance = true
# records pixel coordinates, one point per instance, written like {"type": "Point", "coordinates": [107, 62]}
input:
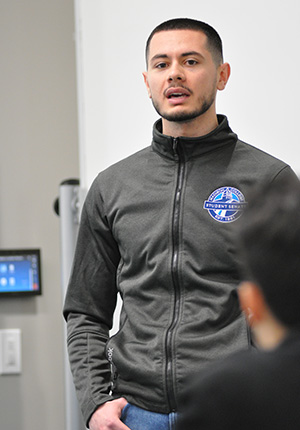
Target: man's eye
{"type": "Point", "coordinates": [161, 65]}
{"type": "Point", "coordinates": [191, 62]}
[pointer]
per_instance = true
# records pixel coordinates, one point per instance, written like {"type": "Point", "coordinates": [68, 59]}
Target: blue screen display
{"type": "Point", "coordinates": [20, 273]}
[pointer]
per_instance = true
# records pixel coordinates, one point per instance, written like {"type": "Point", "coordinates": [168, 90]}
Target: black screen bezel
{"type": "Point", "coordinates": [23, 252]}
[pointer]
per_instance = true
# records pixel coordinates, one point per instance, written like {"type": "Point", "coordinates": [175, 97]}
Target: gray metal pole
{"type": "Point", "coordinates": [69, 211]}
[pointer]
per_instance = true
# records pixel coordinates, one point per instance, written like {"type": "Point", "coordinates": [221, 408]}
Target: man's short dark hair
{"type": "Point", "coordinates": [269, 236]}
{"type": "Point", "coordinates": [214, 42]}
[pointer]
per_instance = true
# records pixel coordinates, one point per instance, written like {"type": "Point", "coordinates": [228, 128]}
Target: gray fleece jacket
{"type": "Point", "coordinates": [158, 228]}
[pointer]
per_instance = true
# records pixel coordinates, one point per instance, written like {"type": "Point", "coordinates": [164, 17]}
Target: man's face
{"type": "Point", "coordinates": [182, 78]}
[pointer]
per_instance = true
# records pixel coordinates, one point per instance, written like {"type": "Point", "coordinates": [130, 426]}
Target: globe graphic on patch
{"type": "Point", "coordinates": [225, 204]}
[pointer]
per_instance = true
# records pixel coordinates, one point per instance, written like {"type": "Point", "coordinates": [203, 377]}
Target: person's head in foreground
{"type": "Point", "coordinates": [269, 236]}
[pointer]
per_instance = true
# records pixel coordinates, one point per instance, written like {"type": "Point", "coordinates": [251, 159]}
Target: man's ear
{"type": "Point", "coordinates": [252, 302]}
{"type": "Point", "coordinates": [223, 73]}
{"type": "Point", "coordinates": [145, 76]}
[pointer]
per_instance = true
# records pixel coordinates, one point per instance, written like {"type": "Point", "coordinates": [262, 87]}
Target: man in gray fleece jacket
{"type": "Point", "coordinates": [157, 228]}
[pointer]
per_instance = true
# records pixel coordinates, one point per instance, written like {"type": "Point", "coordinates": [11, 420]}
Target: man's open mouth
{"type": "Point", "coordinates": [177, 95]}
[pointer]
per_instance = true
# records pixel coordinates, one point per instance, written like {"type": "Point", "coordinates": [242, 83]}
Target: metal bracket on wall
{"type": "Point", "coordinates": [73, 185]}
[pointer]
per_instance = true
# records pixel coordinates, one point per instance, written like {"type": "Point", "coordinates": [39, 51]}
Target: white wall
{"type": "Point", "coordinates": [261, 100]}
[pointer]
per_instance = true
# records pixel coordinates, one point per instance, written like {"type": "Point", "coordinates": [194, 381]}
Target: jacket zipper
{"type": "Point", "coordinates": [170, 380]}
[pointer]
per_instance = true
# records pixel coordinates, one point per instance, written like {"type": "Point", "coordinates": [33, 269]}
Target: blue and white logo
{"type": "Point", "coordinates": [225, 204]}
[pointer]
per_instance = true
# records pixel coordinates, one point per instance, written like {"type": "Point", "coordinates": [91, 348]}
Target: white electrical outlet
{"type": "Point", "coordinates": [10, 351]}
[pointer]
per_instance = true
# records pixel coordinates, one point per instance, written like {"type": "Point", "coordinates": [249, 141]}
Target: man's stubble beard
{"type": "Point", "coordinates": [184, 117]}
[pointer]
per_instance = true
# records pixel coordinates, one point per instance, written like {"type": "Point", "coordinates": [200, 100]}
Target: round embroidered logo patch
{"type": "Point", "coordinates": [225, 204]}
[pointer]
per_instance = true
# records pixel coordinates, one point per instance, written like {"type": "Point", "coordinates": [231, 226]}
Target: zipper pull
{"type": "Point", "coordinates": [175, 146]}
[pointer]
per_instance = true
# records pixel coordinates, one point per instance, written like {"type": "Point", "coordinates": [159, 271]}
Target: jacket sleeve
{"type": "Point", "coordinates": [90, 303]}
{"type": "Point", "coordinates": [285, 173]}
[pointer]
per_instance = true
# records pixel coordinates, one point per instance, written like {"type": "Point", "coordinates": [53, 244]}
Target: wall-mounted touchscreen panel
{"type": "Point", "coordinates": [20, 272]}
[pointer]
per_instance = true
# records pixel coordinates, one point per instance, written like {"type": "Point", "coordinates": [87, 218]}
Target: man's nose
{"type": "Point", "coordinates": [176, 74]}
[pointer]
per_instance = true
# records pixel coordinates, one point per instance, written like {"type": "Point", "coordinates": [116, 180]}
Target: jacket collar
{"type": "Point", "coordinates": [170, 147]}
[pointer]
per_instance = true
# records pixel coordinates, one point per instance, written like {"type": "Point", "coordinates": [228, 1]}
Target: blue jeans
{"type": "Point", "coordinates": [139, 419]}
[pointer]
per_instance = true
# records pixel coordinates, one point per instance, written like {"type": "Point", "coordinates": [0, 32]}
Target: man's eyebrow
{"type": "Point", "coordinates": [187, 54]}
{"type": "Point", "coordinates": [158, 57]}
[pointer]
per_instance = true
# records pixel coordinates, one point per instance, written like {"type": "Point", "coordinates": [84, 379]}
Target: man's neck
{"type": "Point", "coordinates": [194, 128]}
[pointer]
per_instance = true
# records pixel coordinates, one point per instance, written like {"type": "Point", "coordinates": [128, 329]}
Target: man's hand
{"type": "Point", "coordinates": [107, 416]}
